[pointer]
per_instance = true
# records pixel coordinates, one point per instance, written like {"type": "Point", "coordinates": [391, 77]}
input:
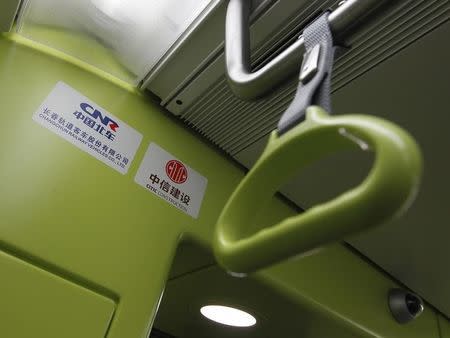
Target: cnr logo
{"type": "Point", "coordinates": [96, 114]}
{"type": "Point", "coordinates": [176, 171]}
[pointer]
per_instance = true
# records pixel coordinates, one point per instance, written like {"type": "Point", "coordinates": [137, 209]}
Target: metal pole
{"type": "Point", "coordinates": [247, 84]}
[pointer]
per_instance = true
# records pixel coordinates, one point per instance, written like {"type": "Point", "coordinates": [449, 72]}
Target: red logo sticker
{"type": "Point", "coordinates": [176, 171]}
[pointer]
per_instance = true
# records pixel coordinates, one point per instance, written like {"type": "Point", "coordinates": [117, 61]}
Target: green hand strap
{"type": "Point", "coordinates": [387, 191]}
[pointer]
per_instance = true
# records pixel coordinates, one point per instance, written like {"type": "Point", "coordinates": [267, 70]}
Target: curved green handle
{"type": "Point", "coordinates": [388, 190]}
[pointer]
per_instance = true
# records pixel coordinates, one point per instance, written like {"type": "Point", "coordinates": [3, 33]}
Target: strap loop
{"type": "Point", "coordinates": [243, 246]}
{"type": "Point", "coordinates": [315, 76]}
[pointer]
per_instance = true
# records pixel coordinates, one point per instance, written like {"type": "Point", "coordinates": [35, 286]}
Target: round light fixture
{"type": "Point", "coordinates": [228, 315]}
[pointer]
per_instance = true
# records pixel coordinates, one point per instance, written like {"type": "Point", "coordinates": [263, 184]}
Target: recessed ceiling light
{"type": "Point", "coordinates": [228, 315]}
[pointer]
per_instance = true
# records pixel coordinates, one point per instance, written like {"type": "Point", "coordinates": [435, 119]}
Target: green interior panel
{"type": "Point", "coordinates": [444, 326]}
{"type": "Point", "coordinates": [350, 295]}
{"type": "Point", "coordinates": [35, 303]}
{"type": "Point", "coordinates": [63, 210]}
{"type": "Point", "coordinates": [81, 45]}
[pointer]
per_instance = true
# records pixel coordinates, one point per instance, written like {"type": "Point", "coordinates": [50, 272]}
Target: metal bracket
{"type": "Point", "coordinates": [310, 64]}
{"type": "Point", "coordinates": [247, 84]}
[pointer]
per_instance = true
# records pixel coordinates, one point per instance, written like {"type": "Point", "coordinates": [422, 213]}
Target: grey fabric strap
{"type": "Point", "coordinates": [316, 90]}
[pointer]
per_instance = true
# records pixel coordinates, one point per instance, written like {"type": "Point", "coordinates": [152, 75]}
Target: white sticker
{"type": "Point", "coordinates": [88, 126]}
{"type": "Point", "coordinates": [172, 180]}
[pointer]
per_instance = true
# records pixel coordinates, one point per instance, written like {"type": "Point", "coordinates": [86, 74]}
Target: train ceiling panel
{"type": "Point", "coordinates": [205, 102]}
